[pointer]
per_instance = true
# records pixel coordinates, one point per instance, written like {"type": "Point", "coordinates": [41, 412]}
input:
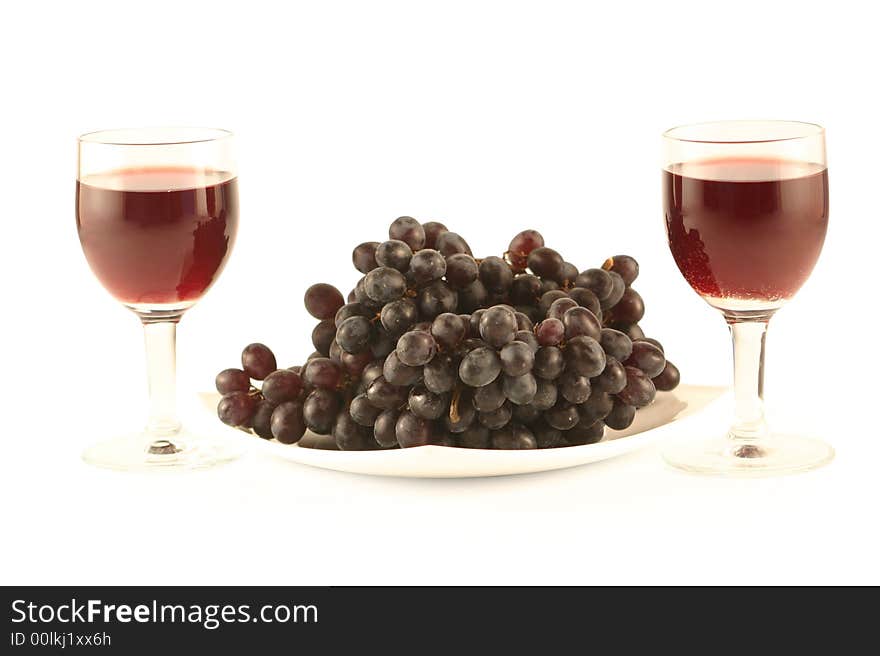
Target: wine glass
{"type": "Point", "coordinates": [746, 205]}
{"type": "Point", "coordinates": [157, 215]}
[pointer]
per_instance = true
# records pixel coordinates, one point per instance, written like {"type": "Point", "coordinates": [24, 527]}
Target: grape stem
{"type": "Point", "coordinates": [453, 405]}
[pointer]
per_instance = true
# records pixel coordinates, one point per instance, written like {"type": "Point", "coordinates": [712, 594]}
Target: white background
{"type": "Point", "coordinates": [491, 117]}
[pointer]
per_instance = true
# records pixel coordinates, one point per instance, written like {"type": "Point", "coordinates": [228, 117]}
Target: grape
{"type": "Point", "coordinates": [621, 416]}
{"type": "Point", "coordinates": [371, 372]}
{"type": "Point", "coordinates": [653, 341]}
{"type": "Point", "coordinates": [520, 389]}
{"type": "Point", "coordinates": [440, 438]}
{"type": "Point", "coordinates": [412, 430]}
{"type": "Point", "coordinates": [461, 415]}
{"type": "Point", "coordinates": [360, 295]}
{"type": "Point", "coordinates": [450, 243]}
{"type": "Point", "coordinates": [528, 338]}
{"type": "Point", "coordinates": [560, 306]}
{"type": "Point", "coordinates": [586, 298]}
{"type": "Point", "coordinates": [629, 309]}
{"type": "Point", "coordinates": [416, 348]}
{"type": "Point", "coordinates": [525, 289]}
{"type": "Point", "coordinates": [384, 428]}
{"type": "Point", "coordinates": [436, 347]}
{"type": "Point", "coordinates": [237, 408]}
{"type": "Point", "coordinates": [399, 316]}
{"type": "Point", "coordinates": [520, 247]}
{"type": "Point", "coordinates": [354, 363]}
{"type": "Point", "coordinates": [479, 367]}
{"type": "Point", "coordinates": [639, 390]}
{"type": "Point", "coordinates": [475, 436]}
{"type": "Point", "coordinates": [489, 397]}
{"type": "Point", "coordinates": [232, 380]}
{"type": "Point", "coordinates": [323, 300]}
{"type": "Point", "coordinates": [514, 436]}
{"type": "Point", "coordinates": [474, 323]}
{"type": "Point", "coordinates": [322, 336]}
{"type": "Point", "coordinates": [384, 284]}
{"type": "Point", "coordinates": [623, 265]}
{"type": "Point", "coordinates": [362, 411]}
{"type": "Point", "coordinates": [323, 373]}
{"type": "Point", "coordinates": [633, 331]}
{"type": "Point", "coordinates": [334, 353]}
{"type": "Point", "coordinates": [563, 416]}
{"type": "Point", "coordinates": [526, 414]}
{"type": "Point", "coordinates": [548, 285]}
{"type": "Point", "coordinates": [448, 330]}
{"type": "Point", "coordinates": [496, 418]}
{"type": "Point", "coordinates": [383, 394]}
{"type": "Point", "coordinates": [523, 321]}
{"type": "Point", "coordinates": [580, 321]}
{"type": "Point", "coordinates": [549, 362]}
{"type": "Point", "coordinates": [617, 289]}
{"type": "Point", "coordinates": [439, 373]}
{"type": "Point", "coordinates": [394, 254]}
{"type": "Point", "coordinates": [495, 274]}
{"type": "Point", "coordinates": [258, 361]}
{"type": "Point", "coordinates": [498, 326]}
{"type": "Point", "coordinates": [437, 298]}
{"type": "Point", "coordinates": [408, 230]}
{"type": "Point", "coordinates": [351, 436]}
{"type": "Point", "coordinates": [584, 356]}
{"type": "Point", "coordinates": [425, 404]}
{"type": "Point", "coordinates": [574, 388]}
{"type": "Point", "coordinates": [354, 334]}
{"type": "Point", "coordinates": [616, 343]}
{"type": "Point", "coordinates": [319, 411]}
{"type": "Point", "coordinates": [569, 274]}
{"type": "Point", "coordinates": [547, 299]}
{"type": "Point", "coordinates": [364, 256]}
{"type": "Point", "coordinates": [262, 419]}
{"type": "Point", "coordinates": [382, 344]}
{"type": "Point", "coordinates": [287, 423]}
{"type": "Point", "coordinates": [398, 373]}
{"type": "Point", "coordinates": [517, 358]}
{"type": "Point", "coordinates": [549, 332]}
{"type": "Point", "coordinates": [281, 385]}
{"type": "Point", "coordinates": [547, 263]}
{"type": "Point", "coordinates": [585, 434]}
{"type": "Point", "coordinates": [613, 377]}
{"type": "Point", "coordinates": [647, 357]}
{"type": "Point", "coordinates": [546, 436]}
{"type": "Point", "coordinates": [668, 379]}
{"type": "Point", "coordinates": [596, 407]}
{"type": "Point", "coordinates": [472, 297]}
{"type": "Point", "coordinates": [461, 270]}
{"type": "Point", "coordinates": [427, 266]}
{"type": "Point", "coordinates": [433, 229]}
{"type": "Point", "coordinates": [545, 394]}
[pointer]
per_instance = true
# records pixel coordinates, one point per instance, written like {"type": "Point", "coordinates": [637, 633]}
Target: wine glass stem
{"type": "Point", "coordinates": [749, 335]}
{"type": "Point", "coordinates": [160, 338]}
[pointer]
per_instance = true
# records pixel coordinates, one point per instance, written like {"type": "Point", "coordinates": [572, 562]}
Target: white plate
{"type": "Point", "coordinates": [446, 462]}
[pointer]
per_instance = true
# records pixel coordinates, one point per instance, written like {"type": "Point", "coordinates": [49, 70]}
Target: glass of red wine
{"type": "Point", "coordinates": [157, 215]}
{"type": "Point", "coordinates": [746, 208]}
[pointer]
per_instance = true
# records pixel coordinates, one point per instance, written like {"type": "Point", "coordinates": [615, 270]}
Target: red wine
{"type": "Point", "coordinates": [746, 229]}
{"type": "Point", "coordinates": [157, 236]}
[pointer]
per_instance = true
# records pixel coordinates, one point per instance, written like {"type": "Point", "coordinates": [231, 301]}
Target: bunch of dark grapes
{"type": "Point", "coordinates": [434, 346]}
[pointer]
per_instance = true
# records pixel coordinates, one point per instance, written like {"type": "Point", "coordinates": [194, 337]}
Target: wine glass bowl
{"type": "Point", "coordinates": [746, 213]}
{"type": "Point", "coordinates": [157, 215]}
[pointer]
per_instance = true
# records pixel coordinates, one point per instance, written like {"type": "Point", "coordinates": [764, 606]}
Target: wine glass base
{"type": "Point", "coordinates": [771, 455]}
{"type": "Point", "coordinates": [145, 452]}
